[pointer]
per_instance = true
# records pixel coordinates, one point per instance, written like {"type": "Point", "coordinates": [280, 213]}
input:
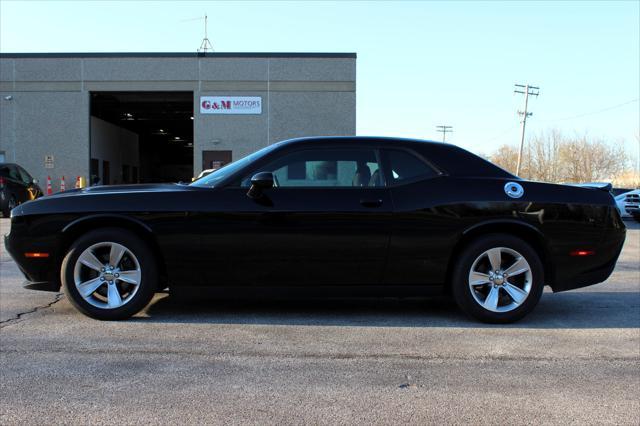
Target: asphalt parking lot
{"type": "Point", "coordinates": [575, 360]}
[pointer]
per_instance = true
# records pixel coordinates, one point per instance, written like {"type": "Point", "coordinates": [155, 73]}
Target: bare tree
{"type": "Point", "coordinates": [552, 157]}
{"type": "Point", "coordinates": [506, 157]}
{"type": "Point", "coordinates": [586, 160]}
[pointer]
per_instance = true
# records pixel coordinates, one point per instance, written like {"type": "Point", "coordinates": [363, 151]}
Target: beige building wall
{"type": "Point", "coordinates": [44, 100]}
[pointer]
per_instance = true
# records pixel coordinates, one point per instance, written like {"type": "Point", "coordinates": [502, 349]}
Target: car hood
{"type": "Point", "coordinates": [103, 198]}
{"type": "Point", "coordinates": [122, 189]}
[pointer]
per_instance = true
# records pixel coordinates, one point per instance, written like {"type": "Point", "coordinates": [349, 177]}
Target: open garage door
{"type": "Point", "coordinates": [140, 137]}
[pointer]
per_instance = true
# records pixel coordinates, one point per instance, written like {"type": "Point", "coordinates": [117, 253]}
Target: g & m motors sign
{"type": "Point", "coordinates": [230, 105]}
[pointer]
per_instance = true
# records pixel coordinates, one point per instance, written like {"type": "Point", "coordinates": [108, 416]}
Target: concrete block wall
{"type": "Point", "coordinates": [38, 124]}
{"type": "Point", "coordinates": [44, 100]}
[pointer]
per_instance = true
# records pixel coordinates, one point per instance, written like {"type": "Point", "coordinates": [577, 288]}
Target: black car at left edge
{"type": "Point", "coordinates": [16, 187]}
{"type": "Point", "coordinates": [329, 216]}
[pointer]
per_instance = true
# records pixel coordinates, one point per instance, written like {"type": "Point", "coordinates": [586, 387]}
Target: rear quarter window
{"type": "Point", "coordinates": [405, 166]}
{"type": "Point", "coordinates": [456, 161]}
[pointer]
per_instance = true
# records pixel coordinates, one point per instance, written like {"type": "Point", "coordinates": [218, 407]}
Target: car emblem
{"type": "Point", "coordinates": [514, 190]}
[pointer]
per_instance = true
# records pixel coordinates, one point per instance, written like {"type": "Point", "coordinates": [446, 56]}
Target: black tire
{"type": "Point", "coordinates": [137, 251]}
{"type": "Point", "coordinates": [467, 299]}
{"type": "Point", "coordinates": [6, 211]}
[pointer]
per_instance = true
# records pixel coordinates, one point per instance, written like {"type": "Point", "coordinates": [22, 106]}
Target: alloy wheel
{"type": "Point", "coordinates": [107, 275]}
{"type": "Point", "coordinates": [500, 279]}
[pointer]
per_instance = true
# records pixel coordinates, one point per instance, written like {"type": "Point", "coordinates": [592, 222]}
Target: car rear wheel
{"type": "Point", "coordinates": [498, 279]}
{"type": "Point", "coordinates": [109, 274]}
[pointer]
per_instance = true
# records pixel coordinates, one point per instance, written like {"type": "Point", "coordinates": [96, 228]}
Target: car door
{"type": "Point", "coordinates": [326, 223]}
{"type": "Point", "coordinates": [423, 232]}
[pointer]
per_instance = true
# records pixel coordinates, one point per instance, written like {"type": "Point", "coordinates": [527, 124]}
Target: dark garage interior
{"type": "Point", "coordinates": [141, 137]}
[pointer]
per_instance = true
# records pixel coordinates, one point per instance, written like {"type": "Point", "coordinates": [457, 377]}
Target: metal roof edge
{"type": "Point", "coordinates": [71, 55]}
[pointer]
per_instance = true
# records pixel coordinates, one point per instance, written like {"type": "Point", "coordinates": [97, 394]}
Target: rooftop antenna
{"type": "Point", "coordinates": [205, 46]}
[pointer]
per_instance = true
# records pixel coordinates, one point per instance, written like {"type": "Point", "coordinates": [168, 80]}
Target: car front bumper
{"type": "Point", "coordinates": [40, 273]}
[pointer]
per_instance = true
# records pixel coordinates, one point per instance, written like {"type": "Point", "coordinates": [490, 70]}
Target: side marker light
{"type": "Point", "coordinates": [36, 255]}
{"type": "Point", "coordinates": [582, 253]}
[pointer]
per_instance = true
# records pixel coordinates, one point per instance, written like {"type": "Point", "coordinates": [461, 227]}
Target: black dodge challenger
{"type": "Point", "coordinates": [329, 215]}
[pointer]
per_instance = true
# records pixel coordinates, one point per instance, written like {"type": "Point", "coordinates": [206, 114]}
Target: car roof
{"type": "Point", "coordinates": [365, 140]}
{"type": "Point", "coordinates": [448, 158]}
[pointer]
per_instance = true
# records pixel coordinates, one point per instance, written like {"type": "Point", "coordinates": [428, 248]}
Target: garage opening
{"type": "Point", "coordinates": [141, 137]}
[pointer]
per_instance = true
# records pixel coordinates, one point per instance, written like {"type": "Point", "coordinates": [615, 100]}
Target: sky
{"type": "Point", "coordinates": [420, 64]}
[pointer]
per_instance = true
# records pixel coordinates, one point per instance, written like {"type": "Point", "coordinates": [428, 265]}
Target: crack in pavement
{"type": "Point", "coordinates": [18, 317]}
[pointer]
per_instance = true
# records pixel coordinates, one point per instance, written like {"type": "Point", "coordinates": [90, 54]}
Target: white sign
{"type": "Point", "coordinates": [48, 161]}
{"type": "Point", "coordinates": [230, 105]}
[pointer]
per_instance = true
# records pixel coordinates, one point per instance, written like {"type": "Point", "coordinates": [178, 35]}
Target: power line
{"type": "Point", "coordinates": [444, 130]}
{"type": "Point", "coordinates": [528, 90]}
{"type": "Point", "coordinates": [595, 112]}
{"type": "Point", "coordinates": [504, 132]}
{"type": "Point", "coordinates": [511, 128]}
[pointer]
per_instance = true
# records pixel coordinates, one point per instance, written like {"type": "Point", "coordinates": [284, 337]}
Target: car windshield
{"type": "Point", "coordinates": [214, 178]}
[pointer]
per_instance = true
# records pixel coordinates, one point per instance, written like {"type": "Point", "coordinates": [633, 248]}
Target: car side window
{"type": "Point", "coordinates": [24, 176]}
{"type": "Point", "coordinates": [327, 167]}
{"type": "Point", "coordinates": [13, 173]}
{"type": "Point", "coordinates": [405, 167]}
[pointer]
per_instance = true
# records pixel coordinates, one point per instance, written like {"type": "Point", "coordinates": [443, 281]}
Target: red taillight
{"type": "Point", "coordinates": [36, 255]}
{"type": "Point", "coordinates": [582, 253]}
{"type": "Point", "coordinates": [1, 182]}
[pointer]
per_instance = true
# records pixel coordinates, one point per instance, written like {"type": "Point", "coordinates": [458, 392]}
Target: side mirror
{"type": "Point", "coordinates": [260, 182]}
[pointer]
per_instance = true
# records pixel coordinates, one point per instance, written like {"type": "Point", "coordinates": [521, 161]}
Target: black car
{"type": "Point", "coordinates": [16, 187]}
{"type": "Point", "coordinates": [331, 215]}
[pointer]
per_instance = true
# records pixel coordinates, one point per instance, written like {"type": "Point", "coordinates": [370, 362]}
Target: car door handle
{"type": "Point", "coordinates": [371, 203]}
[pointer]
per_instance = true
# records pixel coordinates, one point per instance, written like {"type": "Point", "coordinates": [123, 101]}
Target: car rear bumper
{"type": "Point", "coordinates": [576, 272]}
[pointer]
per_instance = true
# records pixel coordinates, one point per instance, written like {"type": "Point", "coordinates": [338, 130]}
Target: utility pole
{"type": "Point", "coordinates": [528, 90]}
{"type": "Point", "coordinates": [444, 130]}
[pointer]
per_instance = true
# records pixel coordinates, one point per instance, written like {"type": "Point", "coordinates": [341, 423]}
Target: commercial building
{"type": "Point", "coordinates": [153, 117]}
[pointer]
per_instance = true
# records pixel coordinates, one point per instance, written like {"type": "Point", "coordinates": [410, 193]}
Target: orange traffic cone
{"type": "Point", "coordinates": [63, 186]}
{"type": "Point", "coordinates": [78, 182]}
{"type": "Point", "coordinates": [49, 190]}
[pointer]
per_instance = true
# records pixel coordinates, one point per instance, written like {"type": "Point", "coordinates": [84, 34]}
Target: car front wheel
{"type": "Point", "coordinates": [498, 279]}
{"type": "Point", "coordinates": [109, 274]}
